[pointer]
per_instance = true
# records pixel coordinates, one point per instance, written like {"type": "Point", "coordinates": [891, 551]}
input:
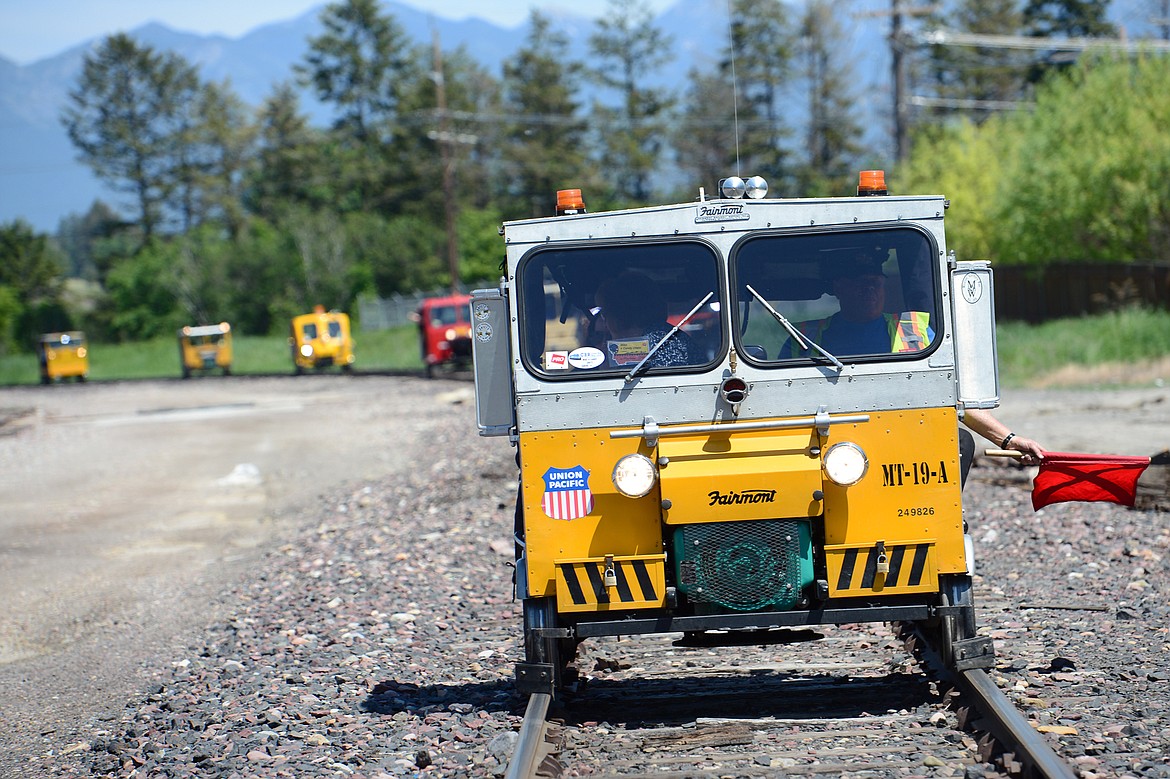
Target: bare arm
{"type": "Point", "coordinates": [982, 422]}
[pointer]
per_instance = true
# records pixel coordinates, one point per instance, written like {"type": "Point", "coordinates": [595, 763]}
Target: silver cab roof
{"type": "Point", "coordinates": [723, 216]}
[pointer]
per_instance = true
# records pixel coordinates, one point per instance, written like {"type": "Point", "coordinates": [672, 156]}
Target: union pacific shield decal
{"type": "Point", "coordinates": [566, 493]}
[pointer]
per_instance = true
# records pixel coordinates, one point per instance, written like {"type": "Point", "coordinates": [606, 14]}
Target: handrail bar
{"type": "Point", "coordinates": [736, 427]}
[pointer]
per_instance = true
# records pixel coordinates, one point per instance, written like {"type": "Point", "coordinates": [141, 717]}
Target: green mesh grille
{"type": "Point", "coordinates": [744, 566]}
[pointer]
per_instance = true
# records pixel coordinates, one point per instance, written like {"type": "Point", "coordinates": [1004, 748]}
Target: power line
{"type": "Point", "coordinates": [943, 37]}
{"type": "Point", "coordinates": [925, 101]}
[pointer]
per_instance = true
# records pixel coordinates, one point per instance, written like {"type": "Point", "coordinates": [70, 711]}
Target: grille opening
{"type": "Point", "coordinates": [755, 565]}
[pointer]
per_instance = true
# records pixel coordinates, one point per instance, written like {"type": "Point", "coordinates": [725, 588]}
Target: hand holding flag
{"type": "Point", "coordinates": [1073, 476]}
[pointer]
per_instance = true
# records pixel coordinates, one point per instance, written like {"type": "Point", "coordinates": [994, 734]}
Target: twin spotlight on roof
{"type": "Point", "coordinates": [734, 187]}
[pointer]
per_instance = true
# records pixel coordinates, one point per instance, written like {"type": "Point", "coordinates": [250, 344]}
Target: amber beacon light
{"type": "Point", "coordinates": [569, 201]}
{"type": "Point", "coordinates": [871, 182]}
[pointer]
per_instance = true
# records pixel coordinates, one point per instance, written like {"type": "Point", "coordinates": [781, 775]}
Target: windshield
{"type": "Point", "coordinates": [595, 310]}
{"type": "Point", "coordinates": [449, 315]}
{"type": "Point", "coordinates": [65, 340]}
{"type": "Point", "coordinates": [851, 296]}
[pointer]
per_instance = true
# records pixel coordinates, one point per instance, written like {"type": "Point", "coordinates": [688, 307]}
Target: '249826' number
{"type": "Point", "coordinates": [917, 511]}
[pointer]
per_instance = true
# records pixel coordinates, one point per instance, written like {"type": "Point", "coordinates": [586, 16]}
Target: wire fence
{"type": "Point", "coordinates": [384, 313]}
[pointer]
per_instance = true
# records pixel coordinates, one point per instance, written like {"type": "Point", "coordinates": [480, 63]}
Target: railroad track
{"type": "Point", "coordinates": [855, 701]}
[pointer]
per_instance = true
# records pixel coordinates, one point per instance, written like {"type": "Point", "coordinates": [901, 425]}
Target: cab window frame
{"type": "Point", "coordinates": [895, 236]}
{"type": "Point", "coordinates": [533, 302]}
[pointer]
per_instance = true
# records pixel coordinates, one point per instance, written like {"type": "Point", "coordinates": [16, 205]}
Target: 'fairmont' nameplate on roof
{"type": "Point", "coordinates": [720, 212]}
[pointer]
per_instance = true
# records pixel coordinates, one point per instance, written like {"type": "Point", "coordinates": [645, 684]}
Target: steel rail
{"type": "Point", "coordinates": [1011, 728]}
{"type": "Point", "coordinates": [524, 761]}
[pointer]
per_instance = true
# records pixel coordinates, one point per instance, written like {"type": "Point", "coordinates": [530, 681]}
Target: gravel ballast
{"type": "Point", "coordinates": [377, 636]}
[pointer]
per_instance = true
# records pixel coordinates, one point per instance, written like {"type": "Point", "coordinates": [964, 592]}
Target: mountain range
{"type": "Point", "coordinates": [41, 181]}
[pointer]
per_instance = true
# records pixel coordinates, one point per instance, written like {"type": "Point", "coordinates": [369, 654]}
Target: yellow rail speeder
{"type": "Point", "coordinates": [740, 466]}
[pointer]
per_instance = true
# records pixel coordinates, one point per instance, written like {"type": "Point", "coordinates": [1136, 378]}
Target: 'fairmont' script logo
{"type": "Point", "coordinates": [747, 496]}
{"type": "Point", "coordinates": [720, 212]}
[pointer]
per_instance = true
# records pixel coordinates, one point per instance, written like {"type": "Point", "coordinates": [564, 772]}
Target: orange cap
{"type": "Point", "coordinates": [872, 182]}
{"type": "Point", "coordinates": [569, 201]}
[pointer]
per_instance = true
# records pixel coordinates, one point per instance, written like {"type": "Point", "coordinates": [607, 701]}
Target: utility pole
{"type": "Point", "coordinates": [900, 41]}
{"type": "Point", "coordinates": [898, 63]}
{"type": "Point", "coordinates": [447, 158]}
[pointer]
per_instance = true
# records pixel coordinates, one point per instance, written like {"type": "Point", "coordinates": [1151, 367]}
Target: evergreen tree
{"type": "Point", "coordinates": [627, 47]}
{"type": "Point", "coordinates": [976, 81]}
{"type": "Point", "coordinates": [544, 139]}
{"type": "Point", "coordinates": [1068, 19]}
{"type": "Point", "coordinates": [78, 235]}
{"type": "Point", "coordinates": [1065, 19]}
{"type": "Point", "coordinates": [288, 167]}
{"type": "Point", "coordinates": [226, 142]}
{"type": "Point", "coordinates": [705, 141]}
{"type": "Point", "coordinates": [362, 64]}
{"type": "Point", "coordinates": [832, 136]}
{"type": "Point", "coordinates": [356, 65]}
{"type": "Point", "coordinates": [766, 31]}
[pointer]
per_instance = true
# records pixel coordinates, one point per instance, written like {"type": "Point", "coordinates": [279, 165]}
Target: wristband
{"type": "Point", "coordinates": [1007, 439]}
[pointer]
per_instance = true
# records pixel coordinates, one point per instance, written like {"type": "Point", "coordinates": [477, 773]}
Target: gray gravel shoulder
{"type": "Point", "coordinates": [377, 636]}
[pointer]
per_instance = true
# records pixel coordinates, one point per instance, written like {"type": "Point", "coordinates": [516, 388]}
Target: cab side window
{"type": "Point", "coordinates": [601, 310]}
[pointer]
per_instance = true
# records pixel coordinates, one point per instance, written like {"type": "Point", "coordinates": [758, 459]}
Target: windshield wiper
{"type": "Point", "coordinates": [642, 363]}
{"type": "Point", "coordinates": [802, 340]}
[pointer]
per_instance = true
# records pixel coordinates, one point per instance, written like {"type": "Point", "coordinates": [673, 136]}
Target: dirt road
{"type": "Point", "coordinates": [125, 508]}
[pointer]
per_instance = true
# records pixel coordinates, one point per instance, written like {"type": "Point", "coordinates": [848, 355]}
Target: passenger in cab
{"type": "Point", "coordinates": [633, 312]}
{"type": "Point", "coordinates": [862, 325]}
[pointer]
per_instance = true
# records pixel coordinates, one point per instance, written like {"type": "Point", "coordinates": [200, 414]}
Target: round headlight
{"type": "Point", "coordinates": [845, 463]}
{"type": "Point", "coordinates": [732, 187]}
{"type": "Point", "coordinates": [306, 350]}
{"type": "Point", "coordinates": [756, 187]}
{"type": "Point", "coordinates": [634, 475]}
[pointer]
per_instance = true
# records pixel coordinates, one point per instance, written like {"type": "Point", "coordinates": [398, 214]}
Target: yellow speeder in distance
{"type": "Point", "coordinates": [63, 356]}
{"type": "Point", "coordinates": [204, 348]}
{"type": "Point", "coordinates": [320, 340]}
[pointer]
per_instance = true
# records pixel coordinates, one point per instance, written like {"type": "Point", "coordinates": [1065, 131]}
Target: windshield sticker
{"type": "Point", "coordinates": [556, 361]}
{"type": "Point", "coordinates": [566, 493]}
{"type": "Point", "coordinates": [586, 357]}
{"type": "Point", "coordinates": [627, 351]}
{"type": "Point", "coordinates": [721, 212]}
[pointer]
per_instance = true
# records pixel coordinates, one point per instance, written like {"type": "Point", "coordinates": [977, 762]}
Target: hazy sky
{"type": "Point", "coordinates": [33, 29]}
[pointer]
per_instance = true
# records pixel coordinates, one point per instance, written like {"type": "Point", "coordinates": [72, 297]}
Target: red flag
{"type": "Point", "coordinates": [1069, 476]}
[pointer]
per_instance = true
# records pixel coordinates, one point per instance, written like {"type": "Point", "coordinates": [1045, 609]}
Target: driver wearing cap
{"type": "Point", "coordinates": [861, 325]}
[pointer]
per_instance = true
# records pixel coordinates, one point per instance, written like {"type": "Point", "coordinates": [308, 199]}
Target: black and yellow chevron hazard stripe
{"type": "Point", "coordinates": [855, 570]}
{"type": "Point", "coordinates": [638, 583]}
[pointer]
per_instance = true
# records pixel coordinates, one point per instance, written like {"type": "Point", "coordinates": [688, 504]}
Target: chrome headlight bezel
{"type": "Point", "coordinates": [845, 463]}
{"type": "Point", "coordinates": [634, 475]}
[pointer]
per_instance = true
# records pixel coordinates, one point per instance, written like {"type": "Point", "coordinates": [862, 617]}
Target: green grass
{"type": "Point", "coordinates": [376, 350]}
{"type": "Point", "coordinates": [1026, 352]}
